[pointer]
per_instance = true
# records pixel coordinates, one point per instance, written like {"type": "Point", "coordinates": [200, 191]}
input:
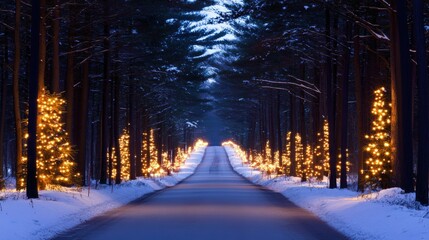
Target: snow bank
{"type": "Point", "coordinates": [388, 214]}
{"type": "Point", "coordinates": [56, 211]}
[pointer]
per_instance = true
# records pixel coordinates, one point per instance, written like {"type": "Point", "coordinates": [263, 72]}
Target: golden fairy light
{"type": "Point", "coordinates": [238, 151]}
{"type": "Point", "coordinates": [154, 169]}
{"type": "Point", "coordinates": [55, 165]}
{"type": "Point", "coordinates": [379, 169]}
{"type": "Point", "coordinates": [325, 148]}
{"type": "Point", "coordinates": [257, 161]}
{"type": "Point", "coordinates": [305, 167]}
{"type": "Point", "coordinates": [167, 164]}
{"type": "Point", "coordinates": [124, 147]}
{"type": "Point", "coordinates": [180, 158]}
{"type": "Point", "coordinates": [348, 164]}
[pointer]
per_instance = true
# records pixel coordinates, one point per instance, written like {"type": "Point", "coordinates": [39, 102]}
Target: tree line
{"type": "Point", "coordinates": [305, 86]}
{"type": "Point", "coordinates": [99, 69]}
{"type": "Point", "coordinates": [307, 79]}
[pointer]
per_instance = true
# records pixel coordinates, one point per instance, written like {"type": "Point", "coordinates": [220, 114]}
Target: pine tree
{"type": "Point", "coordinates": [379, 170]}
{"type": "Point", "coordinates": [55, 165]}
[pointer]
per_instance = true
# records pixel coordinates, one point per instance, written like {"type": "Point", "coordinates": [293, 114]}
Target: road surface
{"type": "Point", "coordinates": [214, 203]}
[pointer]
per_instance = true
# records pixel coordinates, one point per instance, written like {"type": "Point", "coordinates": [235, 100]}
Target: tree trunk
{"type": "Point", "coordinates": [315, 112]}
{"type": "Point", "coordinates": [402, 96]}
{"type": "Point", "coordinates": [158, 138]}
{"type": "Point", "coordinates": [55, 84]}
{"type": "Point", "coordinates": [138, 143]}
{"type": "Point", "coordinates": [116, 124]}
{"type": "Point", "coordinates": [303, 133]}
{"type": "Point", "coordinates": [292, 120]}
{"type": "Point", "coordinates": [302, 129]}
{"type": "Point", "coordinates": [82, 120]}
{"type": "Point", "coordinates": [104, 110]}
{"type": "Point", "coordinates": [423, 105]}
{"type": "Point", "coordinates": [330, 94]}
{"type": "Point", "coordinates": [262, 139]}
{"type": "Point", "coordinates": [279, 129]}
{"type": "Point", "coordinates": [344, 108]}
{"type": "Point", "coordinates": [359, 108]}
{"type": "Point", "coordinates": [16, 108]}
{"type": "Point", "coordinates": [42, 46]}
{"type": "Point", "coordinates": [271, 126]}
{"type": "Point", "coordinates": [70, 72]}
{"type": "Point", "coordinates": [4, 75]}
{"type": "Point", "coordinates": [33, 91]}
{"type": "Point", "coordinates": [131, 120]}
{"type": "Point", "coordinates": [147, 130]}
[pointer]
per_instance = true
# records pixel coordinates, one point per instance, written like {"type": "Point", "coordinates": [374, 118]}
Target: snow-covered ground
{"type": "Point", "coordinates": [388, 214]}
{"type": "Point", "coordinates": [56, 211]}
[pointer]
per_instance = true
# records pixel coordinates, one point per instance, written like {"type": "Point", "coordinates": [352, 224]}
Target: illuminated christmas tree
{"type": "Point", "coordinates": [321, 163]}
{"type": "Point", "coordinates": [309, 165]}
{"type": "Point", "coordinates": [299, 153]}
{"type": "Point", "coordinates": [379, 169]}
{"type": "Point", "coordinates": [124, 146]}
{"type": "Point", "coordinates": [55, 165]}
{"type": "Point", "coordinates": [180, 158]}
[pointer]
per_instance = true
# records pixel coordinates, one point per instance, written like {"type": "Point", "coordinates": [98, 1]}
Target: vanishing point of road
{"type": "Point", "coordinates": [213, 204]}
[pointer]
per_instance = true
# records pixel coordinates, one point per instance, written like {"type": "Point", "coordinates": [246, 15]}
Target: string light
{"type": "Point", "coordinates": [378, 163]}
{"type": "Point", "coordinates": [167, 165]}
{"type": "Point", "coordinates": [55, 165]}
{"type": "Point", "coordinates": [124, 146]}
{"type": "Point", "coordinates": [265, 165]}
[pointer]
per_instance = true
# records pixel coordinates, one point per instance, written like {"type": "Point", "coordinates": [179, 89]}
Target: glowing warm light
{"type": "Point", "coordinates": [124, 147]}
{"type": "Point", "coordinates": [55, 164]}
{"type": "Point", "coordinates": [265, 165]}
{"type": "Point", "coordinates": [180, 158]}
{"type": "Point", "coordinates": [379, 169]}
{"type": "Point", "coordinates": [167, 165]}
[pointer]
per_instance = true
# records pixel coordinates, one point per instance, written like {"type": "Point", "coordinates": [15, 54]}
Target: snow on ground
{"type": "Point", "coordinates": [388, 214]}
{"type": "Point", "coordinates": [56, 211]}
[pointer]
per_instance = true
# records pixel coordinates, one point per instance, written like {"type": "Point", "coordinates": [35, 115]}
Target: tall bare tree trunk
{"type": "Point", "coordinates": [302, 127]}
{"type": "Point", "coordinates": [42, 46]}
{"type": "Point", "coordinates": [70, 71]}
{"type": "Point", "coordinates": [5, 77]}
{"type": "Point", "coordinates": [423, 104]}
{"type": "Point", "coordinates": [315, 112]}
{"type": "Point", "coordinates": [279, 129]}
{"type": "Point", "coordinates": [55, 84]}
{"type": "Point", "coordinates": [147, 130]}
{"type": "Point", "coordinates": [104, 109]}
{"type": "Point", "coordinates": [359, 108]}
{"type": "Point", "coordinates": [271, 125]}
{"type": "Point", "coordinates": [330, 94]}
{"type": "Point", "coordinates": [138, 143]}
{"type": "Point", "coordinates": [33, 91]}
{"type": "Point", "coordinates": [16, 107]}
{"type": "Point", "coordinates": [82, 112]}
{"type": "Point", "coordinates": [303, 133]}
{"type": "Point", "coordinates": [401, 100]}
{"type": "Point", "coordinates": [115, 126]}
{"type": "Point", "coordinates": [292, 119]}
{"type": "Point", "coordinates": [132, 131]}
{"type": "Point", "coordinates": [344, 107]}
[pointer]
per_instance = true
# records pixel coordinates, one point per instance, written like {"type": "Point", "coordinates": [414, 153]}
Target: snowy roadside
{"type": "Point", "coordinates": [387, 214]}
{"type": "Point", "coordinates": [56, 211]}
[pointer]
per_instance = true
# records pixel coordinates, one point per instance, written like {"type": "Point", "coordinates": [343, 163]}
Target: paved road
{"type": "Point", "coordinates": [215, 203]}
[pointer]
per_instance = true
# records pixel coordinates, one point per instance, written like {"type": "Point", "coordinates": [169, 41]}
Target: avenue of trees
{"type": "Point", "coordinates": [309, 88]}
{"type": "Point", "coordinates": [85, 73]}
{"type": "Point", "coordinates": [306, 83]}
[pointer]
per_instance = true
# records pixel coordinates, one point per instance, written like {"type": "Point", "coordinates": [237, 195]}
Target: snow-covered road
{"type": "Point", "coordinates": [214, 203]}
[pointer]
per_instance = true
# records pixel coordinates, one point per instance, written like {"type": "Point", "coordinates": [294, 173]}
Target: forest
{"type": "Point", "coordinates": [120, 89]}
